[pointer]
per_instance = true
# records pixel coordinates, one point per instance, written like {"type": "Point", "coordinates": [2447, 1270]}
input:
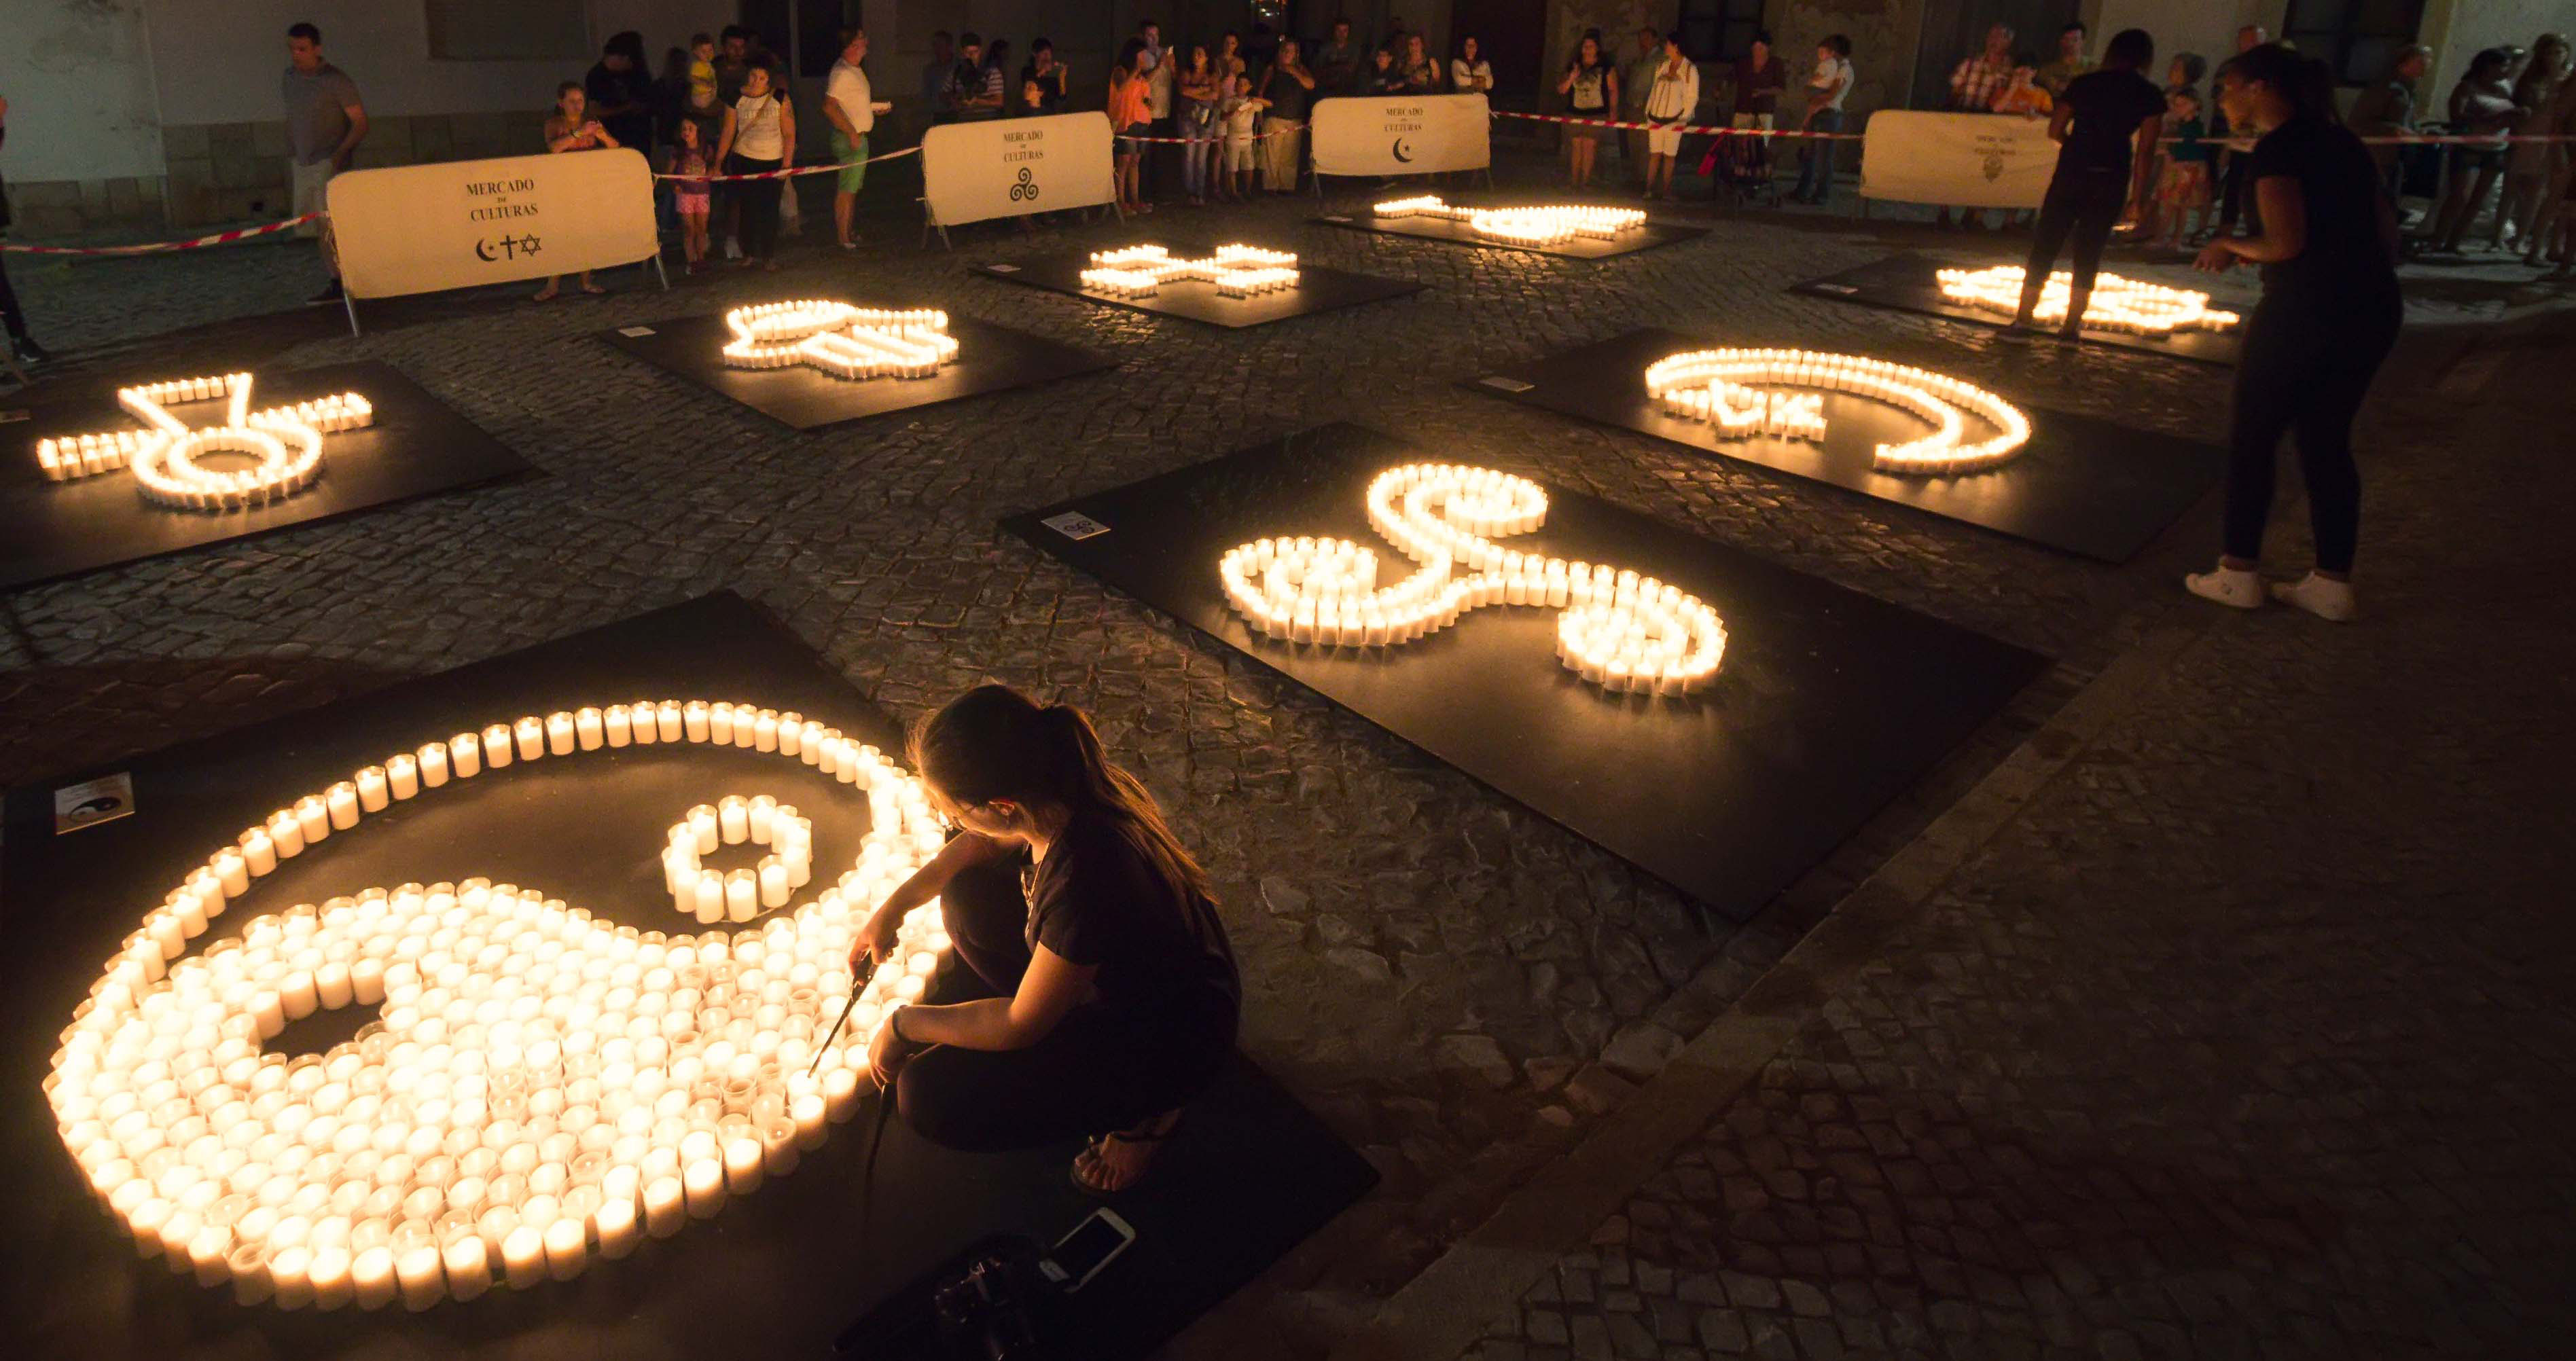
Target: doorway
{"type": "Point", "coordinates": [1954, 29]}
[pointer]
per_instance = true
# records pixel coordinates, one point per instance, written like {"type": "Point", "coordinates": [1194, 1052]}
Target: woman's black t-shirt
{"type": "Point", "coordinates": [2109, 105]}
{"type": "Point", "coordinates": [2341, 188]}
{"type": "Point", "coordinates": [1162, 955]}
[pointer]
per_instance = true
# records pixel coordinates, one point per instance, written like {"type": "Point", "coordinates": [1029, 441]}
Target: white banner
{"type": "Point", "coordinates": [1402, 134]}
{"type": "Point", "coordinates": [1966, 160]}
{"type": "Point", "coordinates": [1007, 167]}
{"type": "Point", "coordinates": [456, 224]}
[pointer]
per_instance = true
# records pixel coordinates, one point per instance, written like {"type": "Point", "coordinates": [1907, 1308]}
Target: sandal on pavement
{"type": "Point", "coordinates": [1093, 1147]}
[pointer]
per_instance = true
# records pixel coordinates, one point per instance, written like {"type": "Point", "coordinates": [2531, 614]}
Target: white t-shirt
{"type": "Point", "coordinates": [1835, 74]}
{"type": "Point", "coordinates": [1675, 94]}
{"type": "Point", "coordinates": [755, 128]}
{"type": "Point", "coordinates": [1158, 84]}
{"type": "Point", "coordinates": [848, 87]}
{"type": "Point", "coordinates": [1467, 78]}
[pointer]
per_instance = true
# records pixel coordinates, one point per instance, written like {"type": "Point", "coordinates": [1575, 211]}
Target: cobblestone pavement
{"type": "Point", "coordinates": [2248, 1037]}
{"type": "Point", "coordinates": [1460, 988]}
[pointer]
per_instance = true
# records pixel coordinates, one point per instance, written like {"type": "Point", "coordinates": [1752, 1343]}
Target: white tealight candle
{"type": "Point", "coordinates": [289, 1274]}
{"type": "Point", "coordinates": [341, 803]}
{"type": "Point", "coordinates": [468, 1267]}
{"type": "Point", "coordinates": [745, 1163]}
{"type": "Point", "coordinates": [589, 729]}
{"type": "Point", "coordinates": [498, 745]}
{"type": "Point", "coordinates": [618, 1229]}
{"type": "Point", "coordinates": [617, 725]}
{"type": "Point", "coordinates": [433, 762]}
{"type": "Point", "coordinates": [417, 1270]}
{"type": "Point", "coordinates": [373, 791]}
{"type": "Point", "coordinates": [567, 1248]}
{"type": "Point", "coordinates": [703, 1181]}
{"type": "Point", "coordinates": [330, 1276]}
{"type": "Point", "coordinates": [402, 776]}
{"type": "Point", "coordinates": [665, 1206]}
{"type": "Point", "coordinates": [523, 1256]}
{"type": "Point", "coordinates": [559, 734]}
{"type": "Point", "coordinates": [528, 738]}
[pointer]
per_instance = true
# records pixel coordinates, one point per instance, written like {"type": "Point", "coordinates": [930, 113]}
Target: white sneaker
{"type": "Point", "coordinates": [2233, 587]}
{"type": "Point", "coordinates": [733, 248]}
{"type": "Point", "coordinates": [2324, 597]}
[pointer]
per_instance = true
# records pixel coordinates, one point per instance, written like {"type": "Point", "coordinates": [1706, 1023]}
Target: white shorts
{"type": "Point", "coordinates": [1664, 141]}
{"type": "Point", "coordinates": [309, 181]}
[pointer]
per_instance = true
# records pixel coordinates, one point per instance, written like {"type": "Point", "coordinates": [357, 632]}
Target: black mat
{"type": "Point", "coordinates": [990, 358]}
{"type": "Point", "coordinates": [1911, 283]}
{"type": "Point", "coordinates": [777, 1273]}
{"type": "Point", "coordinates": [1318, 289]}
{"type": "Point", "coordinates": [1654, 233]}
{"type": "Point", "coordinates": [2090, 487]}
{"type": "Point", "coordinates": [418, 446]}
{"type": "Point", "coordinates": [1829, 702]}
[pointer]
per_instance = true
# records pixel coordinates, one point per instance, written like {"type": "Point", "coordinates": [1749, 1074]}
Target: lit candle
{"type": "Point", "coordinates": [616, 1223]}
{"type": "Point", "coordinates": [417, 1270]}
{"type": "Point", "coordinates": [773, 884]}
{"type": "Point", "coordinates": [720, 718]}
{"type": "Point", "coordinates": [372, 792]}
{"type": "Point", "coordinates": [297, 994]}
{"type": "Point", "coordinates": [333, 985]}
{"type": "Point", "coordinates": [733, 820]}
{"type": "Point", "coordinates": [367, 981]}
{"type": "Point", "coordinates": [665, 1206]}
{"type": "Point", "coordinates": [289, 1274]}
{"type": "Point", "coordinates": [693, 719]}
{"type": "Point", "coordinates": [559, 734]}
{"type": "Point", "coordinates": [329, 1274]}
{"type": "Point", "coordinates": [618, 725]}
{"type": "Point", "coordinates": [402, 775]}
{"type": "Point", "coordinates": [523, 1256]}
{"type": "Point", "coordinates": [340, 801]}
{"type": "Point", "coordinates": [529, 737]}
{"type": "Point", "coordinates": [313, 816]}
{"type": "Point", "coordinates": [567, 1248]}
{"type": "Point", "coordinates": [286, 833]}
{"type": "Point", "coordinates": [259, 852]}
{"type": "Point", "coordinates": [248, 1265]}
{"type": "Point", "coordinates": [742, 894]}
{"type": "Point", "coordinates": [468, 1266]}
{"type": "Point", "coordinates": [588, 729]}
{"type": "Point", "coordinates": [497, 746]}
{"type": "Point", "coordinates": [433, 761]}
{"type": "Point", "coordinates": [703, 1181]}
{"type": "Point", "coordinates": [669, 720]}
{"type": "Point", "coordinates": [745, 1163]}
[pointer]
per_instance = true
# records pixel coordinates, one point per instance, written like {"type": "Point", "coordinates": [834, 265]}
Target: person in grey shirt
{"type": "Point", "coordinates": [324, 124]}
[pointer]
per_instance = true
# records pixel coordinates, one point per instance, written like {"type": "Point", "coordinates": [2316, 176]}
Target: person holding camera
{"type": "Point", "coordinates": [1093, 991]}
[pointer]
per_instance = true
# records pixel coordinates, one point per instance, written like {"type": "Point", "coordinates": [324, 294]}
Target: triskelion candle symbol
{"type": "Point", "coordinates": [1622, 632]}
{"type": "Point", "coordinates": [1736, 392]}
{"type": "Point", "coordinates": [841, 340]}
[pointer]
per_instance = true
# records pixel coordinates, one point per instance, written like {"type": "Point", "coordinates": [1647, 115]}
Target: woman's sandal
{"type": "Point", "coordinates": [1092, 1147]}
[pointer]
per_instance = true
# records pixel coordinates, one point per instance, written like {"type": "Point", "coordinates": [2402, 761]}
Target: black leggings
{"type": "Point", "coordinates": [1095, 1072]}
{"type": "Point", "coordinates": [2305, 370]}
{"type": "Point", "coordinates": [2083, 206]}
{"type": "Point", "coordinates": [758, 200]}
{"type": "Point", "coordinates": [10, 316]}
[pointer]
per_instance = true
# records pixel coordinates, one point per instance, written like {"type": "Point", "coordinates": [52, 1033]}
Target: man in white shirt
{"type": "Point", "coordinates": [851, 108]}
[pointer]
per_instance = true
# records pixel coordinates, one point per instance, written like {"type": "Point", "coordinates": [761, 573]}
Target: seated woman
{"type": "Point", "coordinates": [1093, 991]}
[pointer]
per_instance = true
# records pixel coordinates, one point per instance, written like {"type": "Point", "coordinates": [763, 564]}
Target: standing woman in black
{"type": "Point", "coordinates": [2099, 123]}
{"type": "Point", "coordinates": [2328, 318]}
{"type": "Point", "coordinates": [1093, 991]}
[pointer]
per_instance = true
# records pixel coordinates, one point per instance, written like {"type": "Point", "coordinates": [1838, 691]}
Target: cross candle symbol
{"type": "Point", "coordinates": [1237, 271]}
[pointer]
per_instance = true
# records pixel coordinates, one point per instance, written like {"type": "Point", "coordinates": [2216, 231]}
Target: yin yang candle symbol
{"type": "Point", "coordinates": [542, 1088]}
{"type": "Point", "coordinates": [167, 455]}
{"type": "Point", "coordinates": [1621, 631]}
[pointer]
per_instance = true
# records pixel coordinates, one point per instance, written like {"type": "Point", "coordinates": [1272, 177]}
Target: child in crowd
{"type": "Point", "coordinates": [1129, 118]}
{"type": "Point", "coordinates": [1241, 111]}
{"type": "Point", "coordinates": [571, 128]}
{"type": "Point", "coordinates": [690, 197]}
{"type": "Point", "coordinates": [702, 78]}
{"type": "Point", "coordinates": [2182, 188]}
{"type": "Point", "coordinates": [2024, 95]}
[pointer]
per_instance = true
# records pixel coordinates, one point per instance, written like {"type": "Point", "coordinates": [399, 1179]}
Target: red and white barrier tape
{"type": "Point", "coordinates": [2407, 139]}
{"type": "Point", "coordinates": [156, 247]}
{"type": "Point", "coordinates": [793, 171]}
{"type": "Point", "coordinates": [1196, 141]}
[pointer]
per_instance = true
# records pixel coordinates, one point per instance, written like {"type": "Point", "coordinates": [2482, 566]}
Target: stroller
{"type": "Point", "coordinates": [1740, 167]}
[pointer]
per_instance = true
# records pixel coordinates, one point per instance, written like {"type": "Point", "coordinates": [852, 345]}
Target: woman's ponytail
{"type": "Point", "coordinates": [995, 743]}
